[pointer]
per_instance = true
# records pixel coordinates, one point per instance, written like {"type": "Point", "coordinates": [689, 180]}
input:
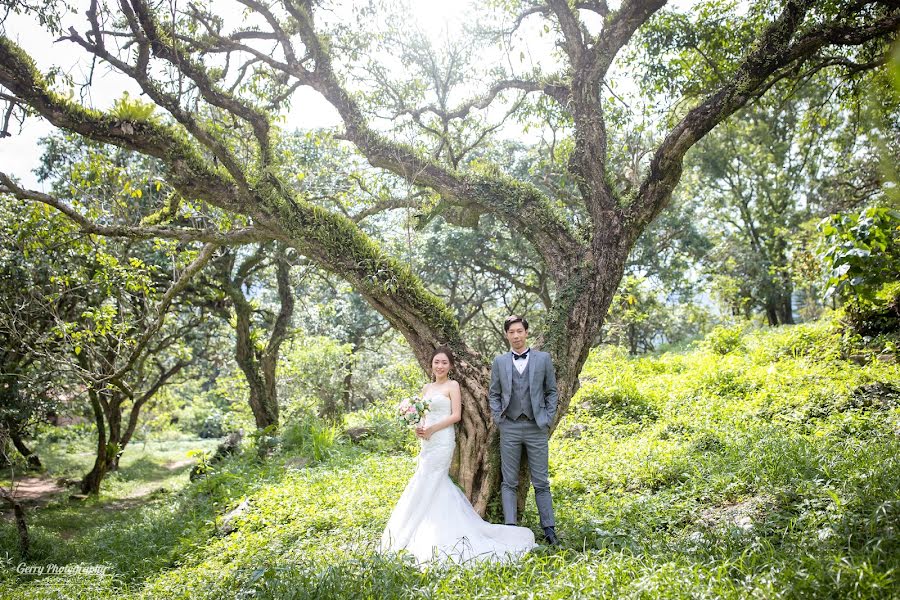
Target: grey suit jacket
{"type": "Point", "coordinates": [542, 381]}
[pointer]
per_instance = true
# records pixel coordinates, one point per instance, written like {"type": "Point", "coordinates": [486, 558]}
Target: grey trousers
{"type": "Point", "coordinates": [514, 435]}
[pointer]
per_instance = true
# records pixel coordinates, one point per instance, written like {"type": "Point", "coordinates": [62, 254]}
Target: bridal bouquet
{"type": "Point", "coordinates": [412, 411]}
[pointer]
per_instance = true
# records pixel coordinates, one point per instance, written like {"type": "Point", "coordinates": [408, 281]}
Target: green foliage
{"type": "Point", "coordinates": [815, 341]}
{"type": "Point", "coordinates": [675, 49]}
{"type": "Point", "coordinates": [308, 436]}
{"type": "Point", "coordinates": [132, 109]}
{"type": "Point", "coordinates": [767, 472]}
{"type": "Point", "coordinates": [404, 380]}
{"type": "Point", "coordinates": [621, 402]}
{"type": "Point", "coordinates": [724, 340]}
{"type": "Point", "coordinates": [639, 318]}
{"type": "Point", "coordinates": [861, 252]}
{"type": "Point", "coordinates": [313, 368]}
{"type": "Point", "coordinates": [211, 411]}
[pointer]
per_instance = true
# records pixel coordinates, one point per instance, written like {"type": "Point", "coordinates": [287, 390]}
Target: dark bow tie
{"type": "Point", "coordinates": [518, 356]}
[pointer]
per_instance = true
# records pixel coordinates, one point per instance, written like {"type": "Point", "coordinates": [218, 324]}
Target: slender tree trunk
{"type": "Point", "coordinates": [31, 458]}
{"type": "Point", "coordinates": [133, 416]}
{"type": "Point", "coordinates": [259, 367]}
{"type": "Point", "coordinates": [22, 529]}
{"type": "Point", "coordinates": [114, 444]}
{"type": "Point", "coordinates": [263, 406]}
{"type": "Point", "coordinates": [347, 390]}
{"type": "Point", "coordinates": [330, 409]}
{"type": "Point", "coordinates": [280, 332]}
{"type": "Point", "coordinates": [21, 526]}
{"type": "Point", "coordinates": [772, 311]}
{"type": "Point", "coordinates": [90, 484]}
{"type": "Point", "coordinates": [786, 304]}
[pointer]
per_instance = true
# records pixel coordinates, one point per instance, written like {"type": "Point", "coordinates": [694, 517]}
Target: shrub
{"type": "Point", "coordinates": [386, 432]}
{"type": "Point", "coordinates": [729, 384]}
{"type": "Point", "coordinates": [213, 425]}
{"type": "Point", "coordinates": [707, 441]}
{"type": "Point", "coordinates": [621, 402]}
{"type": "Point", "coordinates": [724, 340]}
{"type": "Point", "coordinates": [815, 340]}
{"type": "Point", "coordinates": [309, 436]}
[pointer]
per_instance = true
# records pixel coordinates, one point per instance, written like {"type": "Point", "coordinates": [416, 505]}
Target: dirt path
{"type": "Point", "coordinates": [36, 490]}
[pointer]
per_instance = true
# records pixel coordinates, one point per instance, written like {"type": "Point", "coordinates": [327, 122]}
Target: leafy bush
{"type": "Point", "coordinates": [314, 368]}
{"type": "Point", "coordinates": [622, 402]}
{"type": "Point", "coordinates": [816, 340]}
{"type": "Point", "coordinates": [861, 252]}
{"type": "Point", "coordinates": [881, 317]}
{"type": "Point", "coordinates": [729, 383]}
{"type": "Point", "coordinates": [213, 425]}
{"type": "Point", "coordinates": [724, 340]}
{"type": "Point", "coordinates": [386, 433]}
{"type": "Point", "coordinates": [309, 436]}
{"type": "Point", "coordinates": [215, 412]}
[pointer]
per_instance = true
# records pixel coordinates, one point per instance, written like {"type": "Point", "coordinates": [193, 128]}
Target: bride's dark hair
{"type": "Point", "coordinates": [446, 351]}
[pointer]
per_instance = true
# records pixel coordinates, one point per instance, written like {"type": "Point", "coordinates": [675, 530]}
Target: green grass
{"type": "Point", "coordinates": [751, 466]}
{"type": "Point", "coordinates": [144, 466]}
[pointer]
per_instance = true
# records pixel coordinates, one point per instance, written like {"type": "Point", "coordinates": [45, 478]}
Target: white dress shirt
{"type": "Point", "coordinates": [522, 362]}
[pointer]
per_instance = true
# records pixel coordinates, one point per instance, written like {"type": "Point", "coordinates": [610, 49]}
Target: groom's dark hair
{"type": "Point", "coordinates": [507, 323]}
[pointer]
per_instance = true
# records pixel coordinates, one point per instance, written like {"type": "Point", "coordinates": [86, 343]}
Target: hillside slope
{"type": "Point", "coordinates": [761, 465]}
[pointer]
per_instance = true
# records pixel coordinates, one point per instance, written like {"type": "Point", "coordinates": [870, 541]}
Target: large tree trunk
{"type": "Point", "coordinates": [568, 338]}
{"type": "Point", "coordinates": [476, 466]}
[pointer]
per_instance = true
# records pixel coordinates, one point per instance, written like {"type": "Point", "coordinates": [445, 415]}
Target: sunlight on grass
{"type": "Point", "coordinates": [762, 466]}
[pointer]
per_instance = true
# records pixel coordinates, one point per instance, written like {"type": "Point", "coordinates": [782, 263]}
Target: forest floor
{"type": "Point", "coordinates": [35, 490]}
{"type": "Point", "coordinates": [758, 464]}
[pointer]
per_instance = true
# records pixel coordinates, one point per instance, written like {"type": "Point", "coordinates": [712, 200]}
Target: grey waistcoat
{"type": "Point", "coordinates": [520, 396]}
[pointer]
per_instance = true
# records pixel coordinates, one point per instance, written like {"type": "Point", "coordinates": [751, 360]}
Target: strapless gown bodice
{"type": "Point", "coordinates": [440, 407]}
{"type": "Point", "coordinates": [434, 520]}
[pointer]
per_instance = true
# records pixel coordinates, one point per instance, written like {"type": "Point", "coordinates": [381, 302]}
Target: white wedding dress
{"type": "Point", "coordinates": [434, 520]}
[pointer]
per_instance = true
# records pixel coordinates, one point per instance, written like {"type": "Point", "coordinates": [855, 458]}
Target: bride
{"type": "Point", "coordinates": [433, 520]}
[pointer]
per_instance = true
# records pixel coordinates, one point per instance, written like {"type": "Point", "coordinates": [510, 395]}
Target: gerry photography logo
{"type": "Point", "coordinates": [74, 570]}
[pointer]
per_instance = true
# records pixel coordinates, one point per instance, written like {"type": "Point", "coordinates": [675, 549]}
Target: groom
{"type": "Point", "coordinates": [523, 398]}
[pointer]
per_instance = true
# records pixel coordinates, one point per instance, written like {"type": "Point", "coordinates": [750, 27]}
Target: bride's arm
{"type": "Point", "coordinates": [419, 429]}
{"type": "Point", "coordinates": [455, 412]}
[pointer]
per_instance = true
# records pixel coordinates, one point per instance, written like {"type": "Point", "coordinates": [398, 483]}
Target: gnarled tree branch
{"type": "Point", "coordinates": [773, 52]}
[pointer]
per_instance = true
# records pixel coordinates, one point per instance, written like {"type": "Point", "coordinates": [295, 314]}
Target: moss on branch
{"type": "Point", "coordinates": [343, 248]}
